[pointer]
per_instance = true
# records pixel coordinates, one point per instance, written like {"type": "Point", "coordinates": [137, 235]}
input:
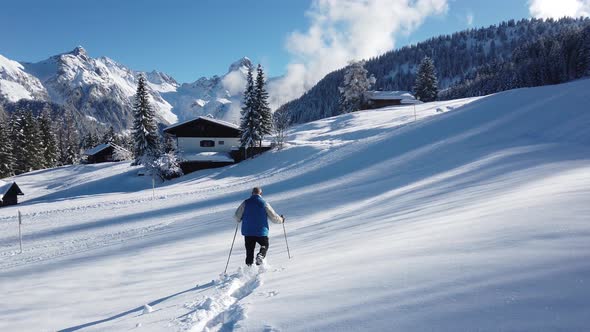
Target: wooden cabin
{"type": "Point", "coordinates": [106, 153]}
{"type": "Point", "coordinates": [204, 142]}
{"type": "Point", "coordinates": [9, 192]}
{"type": "Point", "coordinates": [379, 99]}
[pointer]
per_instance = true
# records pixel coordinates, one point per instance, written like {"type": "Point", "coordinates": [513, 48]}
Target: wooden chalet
{"type": "Point", "coordinates": [105, 153]}
{"type": "Point", "coordinates": [206, 142]}
{"type": "Point", "coordinates": [9, 192]}
{"type": "Point", "coordinates": [379, 99]}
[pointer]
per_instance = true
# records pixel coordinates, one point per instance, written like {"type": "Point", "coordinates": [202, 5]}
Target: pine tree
{"type": "Point", "coordinates": [426, 86]}
{"type": "Point", "coordinates": [17, 139]}
{"type": "Point", "coordinates": [32, 143]}
{"type": "Point", "coordinates": [68, 140]}
{"type": "Point", "coordinates": [145, 131]}
{"type": "Point", "coordinates": [6, 158]}
{"type": "Point", "coordinates": [109, 136]}
{"type": "Point", "coordinates": [356, 82]}
{"type": "Point", "coordinates": [89, 141]}
{"type": "Point", "coordinates": [261, 106]}
{"type": "Point", "coordinates": [250, 120]}
{"type": "Point", "coordinates": [48, 140]}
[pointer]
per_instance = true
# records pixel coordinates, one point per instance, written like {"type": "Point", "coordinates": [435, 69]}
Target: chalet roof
{"type": "Point", "coordinates": [101, 147]}
{"type": "Point", "coordinates": [206, 118]}
{"type": "Point", "coordinates": [389, 95]}
{"type": "Point", "coordinates": [5, 187]}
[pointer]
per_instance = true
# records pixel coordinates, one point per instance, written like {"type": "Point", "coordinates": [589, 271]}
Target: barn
{"type": "Point", "coordinates": [108, 152]}
{"type": "Point", "coordinates": [9, 192]}
{"type": "Point", "coordinates": [378, 99]}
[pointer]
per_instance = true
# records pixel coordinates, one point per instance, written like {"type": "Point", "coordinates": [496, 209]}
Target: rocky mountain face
{"type": "Point", "coordinates": [219, 96]}
{"type": "Point", "coordinates": [102, 89]}
{"type": "Point", "coordinates": [99, 88]}
{"type": "Point", "coordinates": [16, 83]}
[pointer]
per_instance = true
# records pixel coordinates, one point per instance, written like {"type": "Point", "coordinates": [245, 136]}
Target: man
{"type": "Point", "coordinates": [254, 214]}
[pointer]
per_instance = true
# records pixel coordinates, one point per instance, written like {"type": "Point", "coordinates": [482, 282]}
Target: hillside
{"type": "Point", "coordinates": [474, 217]}
{"type": "Point", "coordinates": [458, 58]}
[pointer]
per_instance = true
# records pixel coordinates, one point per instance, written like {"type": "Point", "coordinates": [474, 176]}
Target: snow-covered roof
{"type": "Point", "coordinates": [389, 95]}
{"type": "Point", "coordinates": [220, 122]}
{"type": "Point", "coordinates": [98, 148]}
{"type": "Point", "coordinates": [5, 187]}
{"type": "Point", "coordinates": [219, 157]}
{"type": "Point", "coordinates": [410, 101]}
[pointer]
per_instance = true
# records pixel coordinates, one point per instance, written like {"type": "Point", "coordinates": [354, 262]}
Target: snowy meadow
{"type": "Point", "coordinates": [473, 217]}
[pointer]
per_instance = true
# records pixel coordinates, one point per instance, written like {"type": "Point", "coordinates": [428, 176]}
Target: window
{"type": "Point", "coordinates": [221, 142]}
{"type": "Point", "coordinates": [207, 144]}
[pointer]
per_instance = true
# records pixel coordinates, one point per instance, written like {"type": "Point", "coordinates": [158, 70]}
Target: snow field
{"type": "Point", "coordinates": [473, 218]}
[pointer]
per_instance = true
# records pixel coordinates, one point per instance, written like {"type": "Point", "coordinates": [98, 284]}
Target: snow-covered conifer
{"type": "Point", "coordinates": [33, 149]}
{"type": "Point", "coordinates": [48, 139]}
{"type": "Point", "coordinates": [250, 120]}
{"type": "Point", "coordinates": [426, 86]}
{"type": "Point", "coordinates": [261, 106]}
{"type": "Point", "coordinates": [167, 166]}
{"type": "Point", "coordinates": [68, 140]}
{"type": "Point", "coordinates": [109, 136]}
{"type": "Point", "coordinates": [356, 82]}
{"type": "Point", "coordinates": [145, 130]}
{"type": "Point", "coordinates": [6, 158]}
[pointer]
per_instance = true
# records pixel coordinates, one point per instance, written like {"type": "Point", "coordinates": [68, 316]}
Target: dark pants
{"type": "Point", "coordinates": [251, 245]}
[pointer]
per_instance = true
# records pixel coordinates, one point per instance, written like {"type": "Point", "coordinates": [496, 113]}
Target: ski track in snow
{"type": "Point", "coordinates": [224, 308]}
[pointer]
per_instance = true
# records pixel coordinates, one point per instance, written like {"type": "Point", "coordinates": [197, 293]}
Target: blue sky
{"type": "Point", "coordinates": [190, 39]}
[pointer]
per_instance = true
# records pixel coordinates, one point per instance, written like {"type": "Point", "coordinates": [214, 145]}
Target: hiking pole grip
{"type": "Point", "coordinates": [232, 247]}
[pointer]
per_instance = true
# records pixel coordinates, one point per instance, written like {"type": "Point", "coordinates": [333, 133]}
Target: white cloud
{"type": "Point", "coordinates": [344, 30]}
{"type": "Point", "coordinates": [469, 18]}
{"type": "Point", "coordinates": [234, 82]}
{"type": "Point", "coordinates": [559, 8]}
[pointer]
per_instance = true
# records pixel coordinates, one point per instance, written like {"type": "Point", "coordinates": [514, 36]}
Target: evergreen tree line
{"type": "Point", "coordinates": [256, 116]}
{"type": "Point", "coordinates": [458, 57]}
{"type": "Point", "coordinates": [94, 138]}
{"type": "Point", "coordinates": [29, 142]}
{"type": "Point", "coordinates": [548, 60]}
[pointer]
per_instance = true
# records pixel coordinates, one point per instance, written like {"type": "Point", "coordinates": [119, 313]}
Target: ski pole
{"type": "Point", "coordinates": [232, 247]}
{"type": "Point", "coordinates": [285, 232]}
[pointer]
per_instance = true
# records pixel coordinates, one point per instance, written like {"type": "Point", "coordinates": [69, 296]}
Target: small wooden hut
{"type": "Point", "coordinates": [9, 192]}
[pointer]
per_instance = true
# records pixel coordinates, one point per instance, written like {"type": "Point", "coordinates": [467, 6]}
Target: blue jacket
{"type": "Point", "coordinates": [254, 214]}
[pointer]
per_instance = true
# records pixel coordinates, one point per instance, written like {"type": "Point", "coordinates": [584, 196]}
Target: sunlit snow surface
{"type": "Point", "coordinates": [474, 217]}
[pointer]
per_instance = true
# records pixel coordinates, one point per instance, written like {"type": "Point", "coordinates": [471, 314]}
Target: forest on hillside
{"type": "Point", "coordinates": [468, 63]}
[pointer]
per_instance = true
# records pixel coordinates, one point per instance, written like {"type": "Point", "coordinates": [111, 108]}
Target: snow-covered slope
{"type": "Point", "coordinates": [100, 87]}
{"type": "Point", "coordinates": [16, 84]}
{"type": "Point", "coordinates": [219, 96]}
{"type": "Point", "coordinates": [474, 217]}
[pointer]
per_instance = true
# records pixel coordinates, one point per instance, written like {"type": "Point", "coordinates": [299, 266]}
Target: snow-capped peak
{"type": "Point", "coordinates": [16, 84]}
{"type": "Point", "coordinates": [99, 87]}
{"type": "Point", "coordinates": [79, 51]}
{"type": "Point", "coordinates": [242, 64]}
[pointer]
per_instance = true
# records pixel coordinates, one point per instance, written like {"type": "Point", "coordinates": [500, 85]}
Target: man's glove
{"type": "Point", "coordinates": [282, 216]}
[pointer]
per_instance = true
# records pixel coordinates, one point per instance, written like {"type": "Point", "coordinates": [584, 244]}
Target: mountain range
{"type": "Point", "coordinates": [102, 89]}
